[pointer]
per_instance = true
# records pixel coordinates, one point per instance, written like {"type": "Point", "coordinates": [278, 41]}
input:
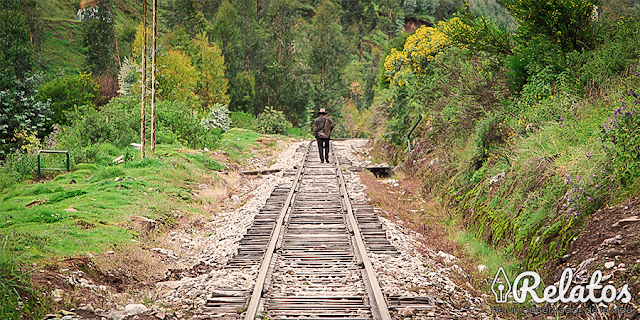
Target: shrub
{"type": "Point", "coordinates": [297, 133]}
{"type": "Point", "coordinates": [621, 141]}
{"type": "Point", "coordinates": [117, 122]}
{"type": "Point", "coordinates": [241, 119]}
{"type": "Point", "coordinates": [272, 121]}
{"type": "Point", "coordinates": [20, 111]}
{"type": "Point", "coordinates": [565, 22]}
{"type": "Point", "coordinates": [176, 120]}
{"type": "Point", "coordinates": [218, 118]}
{"type": "Point", "coordinates": [67, 93]}
{"type": "Point", "coordinates": [616, 51]}
{"type": "Point", "coordinates": [97, 135]}
{"type": "Point", "coordinates": [23, 164]}
{"type": "Point", "coordinates": [476, 32]}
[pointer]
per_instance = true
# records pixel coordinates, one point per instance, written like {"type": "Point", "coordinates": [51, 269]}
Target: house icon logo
{"type": "Point", "coordinates": [501, 286]}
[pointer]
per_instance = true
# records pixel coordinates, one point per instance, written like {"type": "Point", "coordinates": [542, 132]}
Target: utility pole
{"type": "Point", "coordinates": [153, 79]}
{"type": "Point", "coordinates": [143, 126]}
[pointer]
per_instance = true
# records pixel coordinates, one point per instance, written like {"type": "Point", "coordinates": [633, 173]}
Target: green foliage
{"type": "Point", "coordinates": [212, 85]}
{"type": "Point", "coordinates": [357, 122]}
{"type": "Point", "coordinates": [621, 141]}
{"type": "Point", "coordinates": [117, 123]}
{"type": "Point", "coordinates": [66, 93]}
{"type": "Point", "coordinates": [226, 33]}
{"type": "Point", "coordinates": [21, 112]}
{"type": "Point", "coordinates": [478, 33]}
{"type": "Point", "coordinates": [191, 70]}
{"type": "Point", "coordinates": [243, 93]}
{"type": "Point", "coordinates": [16, 51]}
{"type": "Point", "coordinates": [446, 9]}
{"type": "Point", "coordinates": [241, 119]}
{"type": "Point", "coordinates": [562, 22]}
{"type": "Point", "coordinates": [206, 162]}
{"type": "Point", "coordinates": [17, 298]}
{"type": "Point", "coordinates": [298, 133]}
{"type": "Point", "coordinates": [66, 195]}
{"type": "Point", "coordinates": [327, 56]}
{"type": "Point", "coordinates": [178, 78]}
{"type": "Point", "coordinates": [186, 14]}
{"type": "Point", "coordinates": [618, 43]}
{"type": "Point", "coordinates": [490, 9]}
{"type": "Point", "coordinates": [23, 164]}
{"type": "Point", "coordinates": [272, 121]}
{"type": "Point", "coordinates": [252, 36]}
{"type": "Point", "coordinates": [185, 125]}
{"type": "Point", "coordinates": [492, 134]}
{"type": "Point", "coordinates": [217, 118]}
{"type": "Point", "coordinates": [99, 38]}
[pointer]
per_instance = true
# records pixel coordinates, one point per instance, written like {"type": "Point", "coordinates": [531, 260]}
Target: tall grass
{"type": "Point", "coordinates": [18, 300]}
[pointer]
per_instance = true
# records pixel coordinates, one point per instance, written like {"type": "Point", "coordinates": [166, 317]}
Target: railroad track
{"type": "Point", "coordinates": [311, 247]}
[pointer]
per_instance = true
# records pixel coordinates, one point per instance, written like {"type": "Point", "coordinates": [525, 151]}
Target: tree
{"type": "Point", "coordinates": [99, 39]}
{"type": "Point", "coordinates": [187, 14]}
{"type": "Point", "coordinates": [389, 12]}
{"type": "Point", "coordinates": [226, 33]}
{"type": "Point", "coordinates": [282, 80]}
{"type": "Point", "coordinates": [244, 92]}
{"type": "Point", "coordinates": [19, 110]}
{"type": "Point", "coordinates": [327, 55]}
{"type": "Point", "coordinates": [17, 52]}
{"type": "Point", "coordinates": [359, 19]}
{"type": "Point", "coordinates": [177, 77]}
{"type": "Point", "coordinates": [212, 85]}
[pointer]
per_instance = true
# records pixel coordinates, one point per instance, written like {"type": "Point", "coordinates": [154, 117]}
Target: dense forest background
{"type": "Point", "coordinates": [525, 112]}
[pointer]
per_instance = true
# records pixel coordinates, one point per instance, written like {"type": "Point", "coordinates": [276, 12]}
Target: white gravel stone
{"type": "Point", "coordinates": [411, 273]}
{"type": "Point", "coordinates": [220, 240]}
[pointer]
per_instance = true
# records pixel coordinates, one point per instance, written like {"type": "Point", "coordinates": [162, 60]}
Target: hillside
{"type": "Point", "coordinates": [63, 50]}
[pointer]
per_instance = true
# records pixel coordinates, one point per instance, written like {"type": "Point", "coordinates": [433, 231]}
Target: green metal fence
{"type": "Point", "coordinates": [40, 168]}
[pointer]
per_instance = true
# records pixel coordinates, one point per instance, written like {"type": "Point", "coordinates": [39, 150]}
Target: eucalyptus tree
{"type": "Point", "coordinates": [99, 38]}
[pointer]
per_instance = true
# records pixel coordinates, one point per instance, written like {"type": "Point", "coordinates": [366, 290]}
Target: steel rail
{"type": "Point", "coordinates": [254, 303]}
{"type": "Point", "coordinates": [380, 302]}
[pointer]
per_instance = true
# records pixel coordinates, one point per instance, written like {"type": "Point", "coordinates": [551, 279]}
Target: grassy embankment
{"type": "Point", "coordinates": [88, 211]}
{"type": "Point", "coordinates": [521, 171]}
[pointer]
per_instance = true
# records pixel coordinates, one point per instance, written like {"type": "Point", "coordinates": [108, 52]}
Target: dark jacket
{"type": "Point", "coordinates": [319, 127]}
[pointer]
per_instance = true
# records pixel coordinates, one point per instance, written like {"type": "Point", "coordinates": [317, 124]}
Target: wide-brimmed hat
{"type": "Point", "coordinates": [322, 111]}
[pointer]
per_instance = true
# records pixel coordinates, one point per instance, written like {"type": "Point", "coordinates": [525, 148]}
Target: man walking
{"type": "Point", "coordinates": [322, 131]}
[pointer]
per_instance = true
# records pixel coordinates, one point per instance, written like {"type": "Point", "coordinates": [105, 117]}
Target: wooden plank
{"type": "Point", "coordinates": [256, 296]}
{"type": "Point", "coordinates": [257, 172]}
{"type": "Point", "coordinates": [380, 303]}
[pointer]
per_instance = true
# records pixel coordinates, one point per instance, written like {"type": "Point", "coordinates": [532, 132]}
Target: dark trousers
{"type": "Point", "coordinates": [323, 144]}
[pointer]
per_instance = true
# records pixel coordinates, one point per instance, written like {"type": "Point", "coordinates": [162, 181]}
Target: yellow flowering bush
{"type": "Point", "coordinates": [420, 48]}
